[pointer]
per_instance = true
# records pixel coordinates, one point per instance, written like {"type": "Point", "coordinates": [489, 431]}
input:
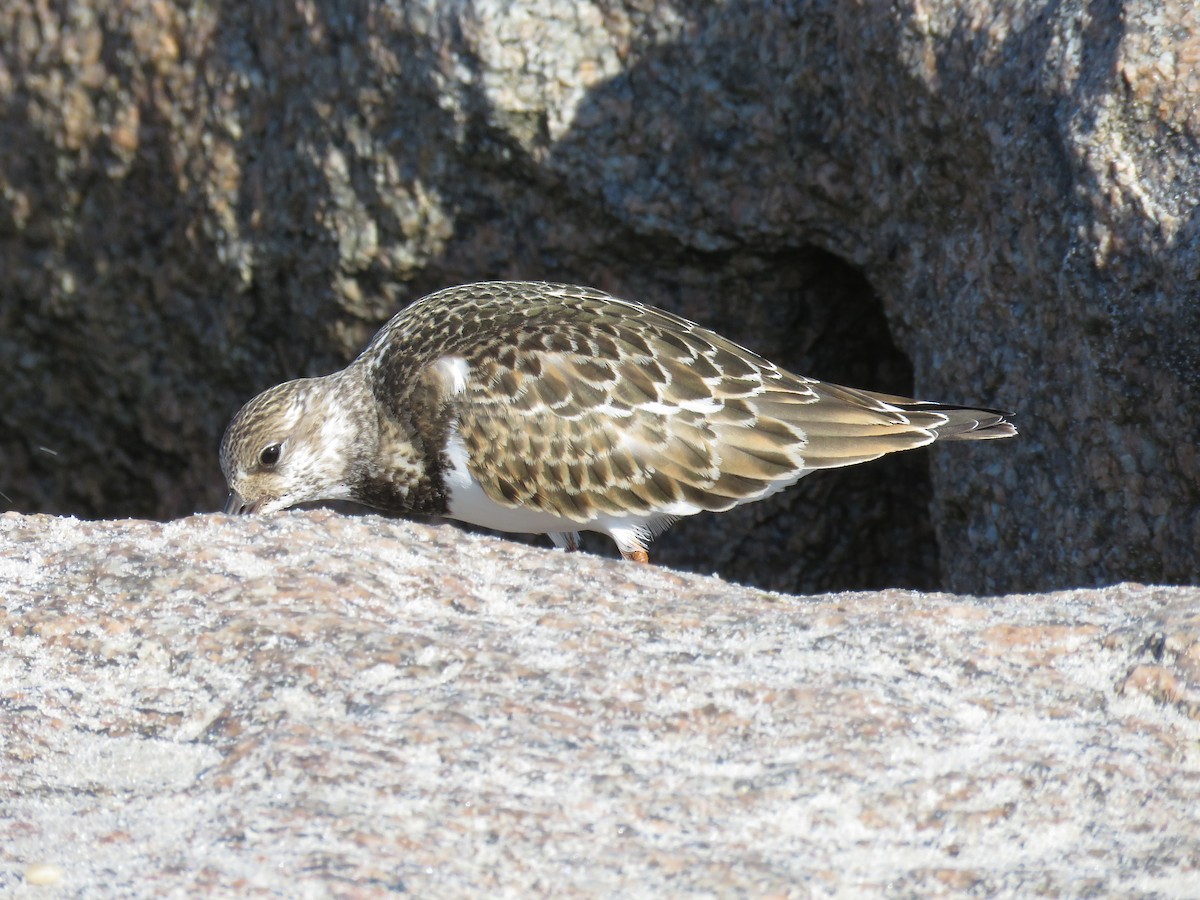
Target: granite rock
{"type": "Point", "coordinates": [978, 201]}
{"type": "Point", "coordinates": [319, 705]}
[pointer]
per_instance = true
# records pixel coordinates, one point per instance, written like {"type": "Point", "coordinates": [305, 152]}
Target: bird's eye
{"type": "Point", "coordinates": [270, 454]}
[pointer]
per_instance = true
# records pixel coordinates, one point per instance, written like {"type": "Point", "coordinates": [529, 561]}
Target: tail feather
{"type": "Point", "coordinates": [966, 423]}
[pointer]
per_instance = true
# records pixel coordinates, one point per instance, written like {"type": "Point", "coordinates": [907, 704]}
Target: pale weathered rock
{"type": "Point", "coordinates": [201, 200]}
{"type": "Point", "coordinates": [313, 705]}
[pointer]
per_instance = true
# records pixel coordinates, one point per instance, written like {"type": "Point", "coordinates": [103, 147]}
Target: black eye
{"type": "Point", "coordinates": [270, 454]}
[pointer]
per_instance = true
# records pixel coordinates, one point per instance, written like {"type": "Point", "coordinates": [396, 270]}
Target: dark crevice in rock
{"type": "Point", "coordinates": [859, 528]}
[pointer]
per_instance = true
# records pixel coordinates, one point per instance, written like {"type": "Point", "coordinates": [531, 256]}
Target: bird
{"type": "Point", "coordinates": [543, 408]}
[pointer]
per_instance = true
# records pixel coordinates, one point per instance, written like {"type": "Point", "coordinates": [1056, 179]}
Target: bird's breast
{"type": "Point", "coordinates": [400, 479]}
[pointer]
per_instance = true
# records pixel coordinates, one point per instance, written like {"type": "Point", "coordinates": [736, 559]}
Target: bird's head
{"type": "Point", "coordinates": [295, 443]}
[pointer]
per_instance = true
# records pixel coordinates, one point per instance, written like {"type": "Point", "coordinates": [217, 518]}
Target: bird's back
{"type": "Point", "coordinates": [583, 405]}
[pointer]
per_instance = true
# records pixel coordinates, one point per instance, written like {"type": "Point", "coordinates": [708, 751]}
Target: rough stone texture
{"type": "Point", "coordinates": [318, 705]}
{"type": "Point", "coordinates": [984, 201]}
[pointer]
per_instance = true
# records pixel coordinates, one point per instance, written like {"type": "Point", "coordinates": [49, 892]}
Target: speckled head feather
{"type": "Point", "coordinates": [299, 441]}
{"type": "Point", "coordinates": [553, 409]}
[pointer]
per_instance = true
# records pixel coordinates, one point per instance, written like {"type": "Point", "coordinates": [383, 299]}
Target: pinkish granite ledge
{"type": "Point", "coordinates": [319, 705]}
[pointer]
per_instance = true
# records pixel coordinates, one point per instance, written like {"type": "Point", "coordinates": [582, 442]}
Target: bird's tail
{"type": "Point", "coordinates": [962, 423]}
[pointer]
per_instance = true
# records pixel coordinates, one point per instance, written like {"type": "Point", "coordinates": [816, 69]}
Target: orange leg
{"type": "Point", "coordinates": [637, 556]}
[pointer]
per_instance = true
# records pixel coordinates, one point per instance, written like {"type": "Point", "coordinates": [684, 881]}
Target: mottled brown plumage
{"type": "Point", "coordinates": [554, 409]}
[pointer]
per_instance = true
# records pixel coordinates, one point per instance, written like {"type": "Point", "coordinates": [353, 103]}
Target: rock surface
{"type": "Point", "coordinates": [318, 705]}
{"type": "Point", "coordinates": [977, 201]}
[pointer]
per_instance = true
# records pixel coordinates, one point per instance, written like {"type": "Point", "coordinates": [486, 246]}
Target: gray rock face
{"type": "Point", "coordinates": [321, 705]}
{"type": "Point", "coordinates": [985, 202]}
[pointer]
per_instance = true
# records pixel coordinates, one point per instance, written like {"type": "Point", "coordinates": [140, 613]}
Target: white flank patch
{"type": "Point", "coordinates": [454, 369]}
{"type": "Point", "coordinates": [468, 502]}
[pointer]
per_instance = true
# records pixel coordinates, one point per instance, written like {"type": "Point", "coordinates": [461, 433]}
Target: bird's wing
{"type": "Point", "coordinates": [662, 418]}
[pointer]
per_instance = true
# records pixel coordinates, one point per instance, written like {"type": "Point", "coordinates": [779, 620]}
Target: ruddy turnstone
{"type": "Point", "coordinates": [554, 409]}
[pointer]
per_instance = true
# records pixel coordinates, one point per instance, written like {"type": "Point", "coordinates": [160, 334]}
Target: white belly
{"type": "Point", "coordinates": [468, 502]}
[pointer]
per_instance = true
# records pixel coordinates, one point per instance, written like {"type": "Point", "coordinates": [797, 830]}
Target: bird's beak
{"type": "Point", "coordinates": [236, 505]}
